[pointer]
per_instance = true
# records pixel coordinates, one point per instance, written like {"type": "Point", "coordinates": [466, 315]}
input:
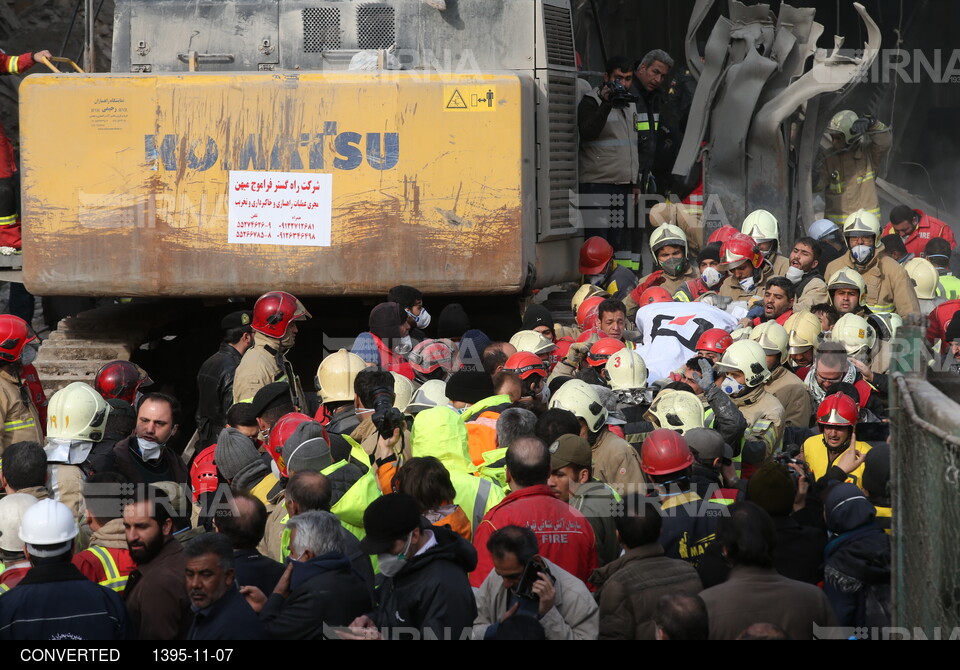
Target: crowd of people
{"type": "Point", "coordinates": [702, 453]}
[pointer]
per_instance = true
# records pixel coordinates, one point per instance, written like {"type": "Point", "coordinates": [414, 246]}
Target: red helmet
{"type": "Point", "coordinates": [738, 249]}
{"type": "Point", "coordinates": [563, 348]}
{"type": "Point", "coordinates": [654, 294]}
{"type": "Point", "coordinates": [14, 335]}
{"type": "Point", "coordinates": [525, 364]}
{"type": "Point", "coordinates": [203, 472]}
{"type": "Point", "coordinates": [279, 434]}
{"type": "Point", "coordinates": [716, 340]}
{"type": "Point", "coordinates": [602, 350]}
{"type": "Point", "coordinates": [722, 234]}
{"type": "Point", "coordinates": [587, 315]}
{"type": "Point", "coordinates": [838, 409]}
{"type": "Point", "coordinates": [122, 380]}
{"type": "Point", "coordinates": [665, 451]}
{"type": "Point", "coordinates": [274, 311]}
{"type": "Point", "coordinates": [595, 253]}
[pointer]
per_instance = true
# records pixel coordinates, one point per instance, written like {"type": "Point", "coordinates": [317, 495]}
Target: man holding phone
{"type": "Point", "coordinates": [523, 583]}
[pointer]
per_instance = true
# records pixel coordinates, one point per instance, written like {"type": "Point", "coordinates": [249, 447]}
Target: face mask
{"type": "Point", "coordinates": [711, 277]}
{"type": "Point", "coordinates": [391, 564]}
{"type": "Point", "coordinates": [862, 253]}
{"type": "Point", "coordinates": [149, 450]}
{"type": "Point", "coordinates": [794, 275]}
{"type": "Point", "coordinates": [421, 321]}
{"type": "Point", "coordinates": [673, 266]}
{"type": "Point", "coordinates": [748, 284]}
{"type": "Point", "coordinates": [545, 394]}
{"type": "Point", "coordinates": [731, 386]}
{"type": "Point", "coordinates": [66, 451]}
{"type": "Point", "coordinates": [28, 356]}
{"type": "Point", "coordinates": [404, 346]}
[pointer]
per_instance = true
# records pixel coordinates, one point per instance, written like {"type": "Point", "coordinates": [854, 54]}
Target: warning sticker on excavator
{"type": "Point", "coordinates": [469, 98]}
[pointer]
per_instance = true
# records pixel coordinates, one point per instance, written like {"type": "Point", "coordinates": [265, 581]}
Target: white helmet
{"type": "Point", "coordinates": [336, 374]}
{"type": "Point", "coordinates": [748, 357]}
{"type": "Point", "coordinates": [804, 331]}
{"type": "Point", "coordinates": [676, 410]}
{"type": "Point", "coordinates": [533, 342]}
{"type": "Point", "coordinates": [773, 338]}
{"type": "Point", "coordinates": [12, 509]}
{"type": "Point", "coordinates": [762, 226]}
{"type": "Point", "coordinates": [77, 413]}
{"type": "Point", "coordinates": [847, 278]}
{"type": "Point", "coordinates": [926, 279]}
{"type": "Point", "coordinates": [47, 523]}
{"type": "Point", "coordinates": [862, 223]}
{"type": "Point", "coordinates": [402, 391]}
{"type": "Point", "coordinates": [626, 370]}
{"type": "Point", "coordinates": [578, 397]}
{"type": "Point", "coordinates": [668, 234]}
{"type": "Point", "coordinates": [822, 228]}
{"type": "Point", "coordinates": [854, 333]}
{"type": "Point", "coordinates": [431, 394]}
{"type": "Point", "coordinates": [886, 324]}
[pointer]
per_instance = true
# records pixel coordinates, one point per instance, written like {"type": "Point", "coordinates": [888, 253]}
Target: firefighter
{"type": "Point", "coordinates": [599, 268]}
{"type": "Point", "coordinates": [848, 173]}
{"type": "Point", "coordinates": [21, 422]}
{"type": "Point", "coordinates": [668, 244]}
{"type": "Point", "coordinates": [888, 287]}
{"type": "Point", "coordinates": [916, 229]}
{"type": "Point", "coordinates": [749, 271]}
{"type": "Point", "coordinates": [763, 227]}
{"type": "Point", "coordinates": [275, 317]}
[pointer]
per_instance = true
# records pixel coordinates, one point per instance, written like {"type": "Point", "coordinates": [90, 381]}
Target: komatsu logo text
{"type": "Point", "coordinates": [325, 150]}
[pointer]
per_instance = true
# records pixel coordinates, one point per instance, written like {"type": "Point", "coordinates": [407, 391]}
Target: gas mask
{"type": "Point", "coordinates": [711, 277]}
{"type": "Point", "coordinates": [862, 253]}
{"type": "Point", "coordinates": [731, 386]}
{"type": "Point", "coordinates": [674, 267]}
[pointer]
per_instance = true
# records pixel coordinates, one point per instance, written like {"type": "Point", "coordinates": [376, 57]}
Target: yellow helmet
{"type": "Point", "coordinates": [762, 226]}
{"type": "Point", "coordinates": [584, 292]}
{"type": "Point", "coordinates": [773, 338]}
{"type": "Point", "coordinates": [847, 278]}
{"type": "Point", "coordinates": [748, 357]}
{"type": "Point", "coordinates": [926, 279]}
{"type": "Point", "coordinates": [804, 331]}
{"type": "Point", "coordinates": [77, 412]}
{"type": "Point", "coordinates": [862, 223]}
{"type": "Point", "coordinates": [335, 376]}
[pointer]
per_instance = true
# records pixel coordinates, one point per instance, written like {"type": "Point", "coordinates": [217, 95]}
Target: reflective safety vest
{"type": "Point", "coordinates": [114, 580]}
{"type": "Point", "coordinates": [351, 505]}
{"type": "Point", "coordinates": [950, 286]}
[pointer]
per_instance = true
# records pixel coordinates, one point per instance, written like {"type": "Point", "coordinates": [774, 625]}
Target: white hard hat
{"type": "Point", "coordinates": [748, 357]}
{"type": "Point", "coordinates": [762, 226]}
{"type": "Point", "coordinates": [336, 374]}
{"type": "Point", "coordinates": [46, 524]}
{"type": "Point", "coordinates": [578, 397]}
{"type": "Point", "coordinates": [431, 394]}
{"type": "Point", "coordinates": [854, 333]}
{"type": "Point", "coordinates": [804, 331]}
{"type": "Point", "coordinates": [773, 338]}
{"type": "Point", "coordinates": [77, 412]}
{"type": "Point", "coordinates": [676, 410]}
{"type": "Point", "coordinates": [926, 279]}
{"type": "Point", "coordinates": [862, 223]}
{"type": "Point", "coordinates": [822, 228]}
{"type": "Point", "coordinates": [626, 370]}
{"type": "Point", "coordinates": [531, 341]}
{"type": "Point", "coordinates": [402, 391]}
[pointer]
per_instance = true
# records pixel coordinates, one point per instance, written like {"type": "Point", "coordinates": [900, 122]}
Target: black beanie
{"type": "Point", "coordinates": [772, 488]}
{"type": "Point", "coordinates": [453, 322]}
{"type": "Point", "coordinates": [535, 316]}
{"type": "Point", "coordinates": [469, 386]}
{"type": "Point", "coordinates": [711, 252]}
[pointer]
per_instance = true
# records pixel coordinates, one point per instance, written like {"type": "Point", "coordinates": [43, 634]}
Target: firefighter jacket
{"type": "Point", "coordinates": [889, 287]}
{"type": "Point", "coordinates": [927, 229]}
{"type": "Point", "coordinates": [262, 364]}
{"type": "Point", "coordinates": [21, 422]}
{"type": "Point", "coordinates": [849, 177]}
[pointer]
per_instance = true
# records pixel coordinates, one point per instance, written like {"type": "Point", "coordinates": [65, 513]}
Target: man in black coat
{"type": "Point", "coordinates": [318, 591]}
{"type": "Point", "coordinates": [244, 524]}
{"type": "Point", "coordinates": [219, 611]}
{"type": "Point", "coordinates": [215, 379]}
{"type": "Point", "coordinates": [426, 594]}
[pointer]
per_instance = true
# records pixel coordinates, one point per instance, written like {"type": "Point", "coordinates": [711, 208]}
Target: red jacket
{"type": "Point", "coordinates": [563, 533]}
{"type": "Point", "coordinates": [939, 320]}
{"type": "Point", "coordinates": [11, 65]}
{"type": "Point", "coordinates": [93, 568]}
{"type": "Point", "coordinates": [782, 319]}
{"type": "Point", "coordinates": [927, 229]}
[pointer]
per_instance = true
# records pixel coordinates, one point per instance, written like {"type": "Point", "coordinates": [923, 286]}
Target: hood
{"type": "Point", "coordinates": [111, 535]}
{"type": "Point", "coordinates": [440, 433]}
{"type": "Point", "coordinates": [847, 508]}
{"type": "Point", "coordinates": [449, 547]}
{"type": "Point", "coordinates": [485, 404]}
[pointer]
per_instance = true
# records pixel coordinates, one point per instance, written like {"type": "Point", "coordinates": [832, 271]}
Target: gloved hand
{"type": "Point", "coordinates": [755, 312]}
{"type": "Point", "coordinates": [705, 377]}
{"type": "Point", "coordinates": [861, 125]}
{"type": "Point", "coordinates": [578, 350]}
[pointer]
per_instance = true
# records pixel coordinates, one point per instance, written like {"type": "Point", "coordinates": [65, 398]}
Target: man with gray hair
{"type": "Point", "coordinates": [654, 147]}
{"type": "Point", "coordinates": [219, 611]}
{"type": "Point", "coordinates": [319, 589]}
{"type": "Point", "coordinates": [513, 424]}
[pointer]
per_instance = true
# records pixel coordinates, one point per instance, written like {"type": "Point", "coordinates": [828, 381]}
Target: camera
{"type": "Point", "coordinates": [386, 417]}
{"type": "Point", "coordinates": [789, 456]}
{"type": "Point", "coordinates": [619, 95]}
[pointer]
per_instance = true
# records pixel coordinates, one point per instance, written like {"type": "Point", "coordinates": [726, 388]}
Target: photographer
{"type": "Point", "coordinates": [374, 400]}
{"type": "Point", "coordinates": [523, 583]}
{"type": "Point", "coordinates": [608, 159]}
